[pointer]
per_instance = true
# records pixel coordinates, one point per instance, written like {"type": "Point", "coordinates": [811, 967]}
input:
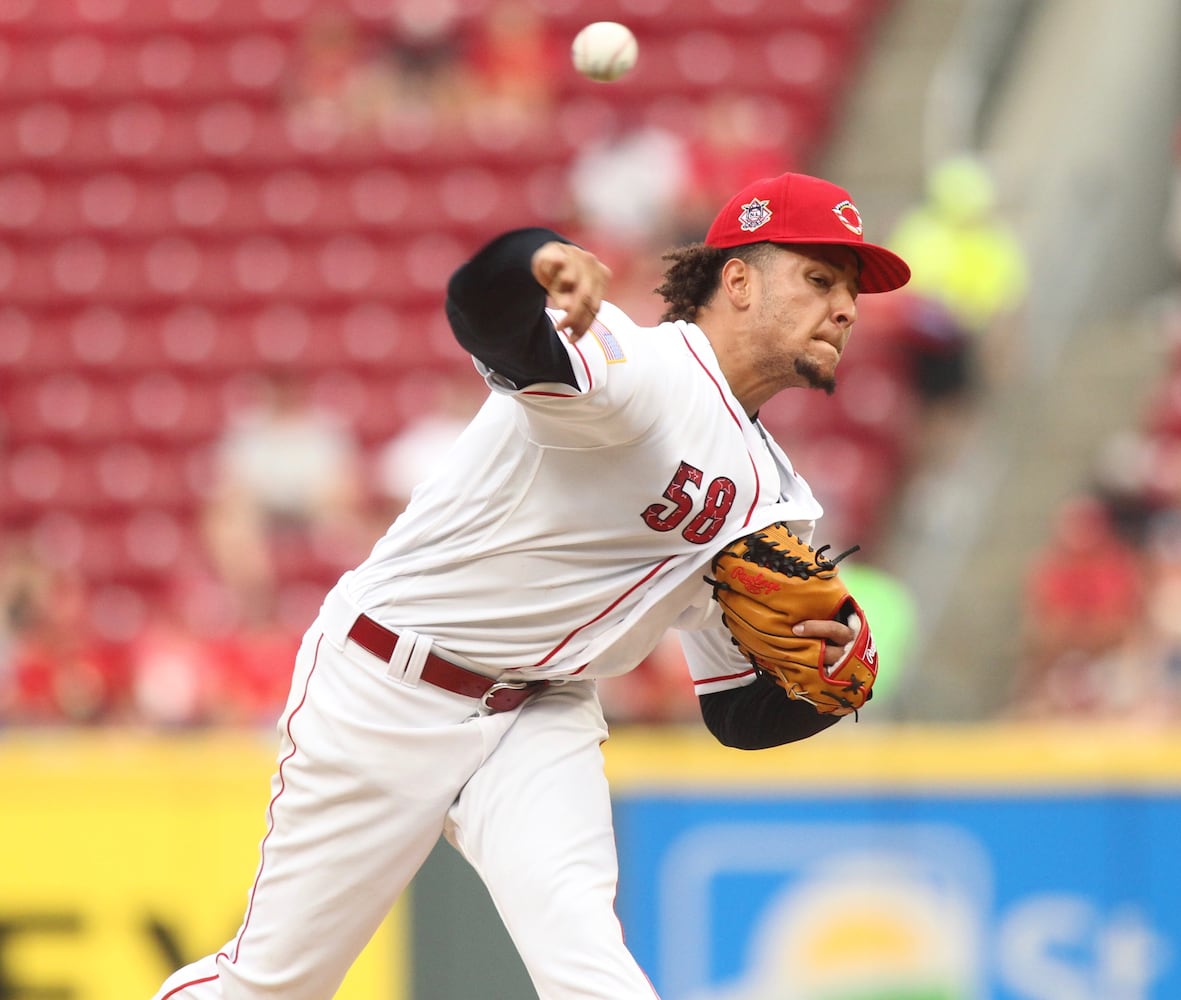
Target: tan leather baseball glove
{"type": "Point", "coordinates": [769, 581]}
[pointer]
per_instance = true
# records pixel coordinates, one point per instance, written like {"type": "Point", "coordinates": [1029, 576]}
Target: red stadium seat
{"type": "Point", "coordinates": [256, 62]}
{"type": "Point", "coordinates": [22, 352]}
{"type": "Point", "coordinates": [41, 476]}
{"type": "Point", "coordinates": [168, 409]}
{"type": "Point", "coordinates": [25, 202]}
{"type": "Point", "coordinates": [99, 338]}
{"type": "Point", "coordinates": [369, 335]}
{"type": "Point", "coordinates": [200, 341]}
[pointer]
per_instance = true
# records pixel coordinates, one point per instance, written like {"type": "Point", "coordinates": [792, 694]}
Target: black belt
{"type": "Point", "coordinates": [495, 696]}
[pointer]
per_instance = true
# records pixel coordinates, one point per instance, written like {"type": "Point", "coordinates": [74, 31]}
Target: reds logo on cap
{"type": "Point", "coordinates": [850, 218]}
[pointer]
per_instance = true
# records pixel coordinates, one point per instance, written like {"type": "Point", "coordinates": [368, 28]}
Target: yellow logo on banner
{"type": "Point", "coordinates": [123, 864]}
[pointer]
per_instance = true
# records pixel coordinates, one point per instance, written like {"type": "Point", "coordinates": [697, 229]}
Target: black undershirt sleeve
{"type": "Point", "coordinates": [759, 716]}
{"type": "Point", "coordinates": [497, 311]}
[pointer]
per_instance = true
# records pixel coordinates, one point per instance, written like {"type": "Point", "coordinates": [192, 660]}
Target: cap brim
{"type": "Point", "coordinates": [881, 269]}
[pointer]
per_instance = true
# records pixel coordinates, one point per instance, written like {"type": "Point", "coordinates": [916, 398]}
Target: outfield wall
{"type": "Point", "coordinates": [869, 863]}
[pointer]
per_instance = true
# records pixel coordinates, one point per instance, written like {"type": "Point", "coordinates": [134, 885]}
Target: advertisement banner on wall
{"type": "Point", "coordinates": [125, 859]}
{"type": "Point", "coordinates": [1014, 886]}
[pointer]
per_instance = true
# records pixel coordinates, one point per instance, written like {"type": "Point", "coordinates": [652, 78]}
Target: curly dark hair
{"type": "Point", "coordinates": [694, 275]}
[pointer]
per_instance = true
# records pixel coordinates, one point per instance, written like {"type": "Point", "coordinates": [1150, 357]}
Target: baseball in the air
{"type": "Point", "coordinates": [604, 51]}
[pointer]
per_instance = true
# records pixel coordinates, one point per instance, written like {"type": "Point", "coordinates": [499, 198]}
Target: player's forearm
{"type": "Point", "coordinates": [758, 716]}
{"type": "Point", "coordinates": [497, 311]}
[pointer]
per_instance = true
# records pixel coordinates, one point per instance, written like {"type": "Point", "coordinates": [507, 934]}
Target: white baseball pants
{"type": "Point", "coordinates": [372, 769]}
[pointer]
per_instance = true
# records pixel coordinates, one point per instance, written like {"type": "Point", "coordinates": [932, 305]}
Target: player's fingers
{"type": "Point", "coordinates": [587, 296]}
{"type": "Point", "coordinates": [825, 628]}
{"type": "Point", "coordinates": [577, 319]}
{"type": "Point", "coordinates": [836, 635]}
{"type": "Point", "coordinates": [575, 282]}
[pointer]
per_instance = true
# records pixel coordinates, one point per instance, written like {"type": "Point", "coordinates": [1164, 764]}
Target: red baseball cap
{"type": "Point", "coordinates": [796, 208]}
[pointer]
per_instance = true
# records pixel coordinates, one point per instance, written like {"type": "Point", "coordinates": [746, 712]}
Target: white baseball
{"type": "Point", "coordinates": [604, 51]}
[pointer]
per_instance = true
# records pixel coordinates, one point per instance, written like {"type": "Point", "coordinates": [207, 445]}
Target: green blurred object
{"type": "Point", "coordinates": [962, 188]}
{"type": "Point", "coordinates": [962, 250]}
{"type": "Point", "coordinates": [890, 608]}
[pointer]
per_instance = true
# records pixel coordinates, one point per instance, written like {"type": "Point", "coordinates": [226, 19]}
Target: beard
{"type": "Point", "coordinates": [814, 376]}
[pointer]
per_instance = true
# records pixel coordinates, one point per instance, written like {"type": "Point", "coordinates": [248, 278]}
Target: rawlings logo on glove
{"type": "Point", "coordinates": [767, 583]}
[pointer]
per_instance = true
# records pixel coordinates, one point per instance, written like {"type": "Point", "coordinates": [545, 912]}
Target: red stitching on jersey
{"type": "Point", "coordinates": [262, 850]}
{"type": "Point", "coordinates": [607, 610]}
{"type": "Point", "coordinates": [590, 378]}
{"type": "Point", "coordinates": [724, 677]}
{"type": "Point", "coordinates": [734, 417]}
{"type": "Point", "coordinates": [185, 986]}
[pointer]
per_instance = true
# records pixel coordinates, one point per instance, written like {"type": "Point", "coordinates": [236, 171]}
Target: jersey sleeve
{"type": "Point", "coordinates": [741, 707]}
{"type": "Point", "coordinates": [715, 664]}
{"type": "Point", "coordinates": [497, 312]}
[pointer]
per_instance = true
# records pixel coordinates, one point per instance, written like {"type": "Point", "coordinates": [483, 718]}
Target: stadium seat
{"type": "Point", "coordinates": [169, 410]}
{"type": "Point", "coordinates": [98, 339]}
{"type": "Point", "coordinates": [199, 340]}
{"type": "Point", "coordinates": [26, 203]}
{"type": "Point", "coordinates": [256, 62]}
{"type": "Point", "coordinates": [22, 352]}
{"type": "Point", "coordinates": [204, 201]}
{"type": "Point", "coordinates": [41, 476]}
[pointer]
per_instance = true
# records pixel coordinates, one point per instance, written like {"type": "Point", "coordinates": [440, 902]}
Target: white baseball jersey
{"type": "Point", "coordinates": [571, 528]}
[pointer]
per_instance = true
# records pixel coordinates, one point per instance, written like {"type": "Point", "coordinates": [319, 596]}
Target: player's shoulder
{"type": "Point", "coordinates": [628, 344]}
{"type": "Point", "coordinates": [616, 321]}
{"type": "Point", "coordinates": [614, 318]}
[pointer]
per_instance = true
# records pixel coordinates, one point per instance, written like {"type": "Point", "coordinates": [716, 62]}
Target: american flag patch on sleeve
{"type": "Point", "coordinates": [608, 343]}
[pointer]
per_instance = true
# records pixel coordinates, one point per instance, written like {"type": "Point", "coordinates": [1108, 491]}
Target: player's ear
{"type": "Point", "coordinates": [736, 282]}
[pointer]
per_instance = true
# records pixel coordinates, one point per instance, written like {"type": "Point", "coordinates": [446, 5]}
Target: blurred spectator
{"type": "Point", "coordinates": [926, 338]}
{"type": "Point", "coordinates": [196, 663]}
{"type": "Point", "coordinates": [422, 445]}
{"type": "Point", "coordinates": [287, 494]}
{"type": "Point", "coordinates": [1132, 478]}
{"type": "Point", "coordinates": [426, 49]}
{"type": "Point", "coordinates": [512, 58]}
{"type": "Point", "coordinates": [1083, 609]}
{"type": "Point", "coordinates": [963, 255]}
{"type": "Point", "coordinates": [1160, 645]}
{"type": "Point", "coordinates": [175, 666]}
{"type": "Point", "coordinates": [916, 339]}
{"type": "Point", "coordinates": [54, 669]}
{"type": "Point", "coordinates": [627, 190]}
{"type": "Point", "coordinates": [26, 584]}
{"type": "Point", "coordinates": [738, 143]}
{"type": "Point", "coordinates": [255, 672]}
{"type": "Point", "coordinates": [343, 82]}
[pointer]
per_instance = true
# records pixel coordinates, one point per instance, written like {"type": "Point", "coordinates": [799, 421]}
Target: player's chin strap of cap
{"type": "Point", "coordinates": [493, 695]}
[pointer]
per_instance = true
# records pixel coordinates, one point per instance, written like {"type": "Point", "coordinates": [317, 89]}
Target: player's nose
{"type": "Point", "coordinates": [844, 311]}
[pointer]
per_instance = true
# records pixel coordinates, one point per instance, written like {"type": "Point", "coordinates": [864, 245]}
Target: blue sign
{"type": "Point", "coordinates": [1019, 896]}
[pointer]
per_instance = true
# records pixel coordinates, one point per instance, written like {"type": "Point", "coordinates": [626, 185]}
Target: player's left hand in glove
{"type": "Point", "coordinates": [770, 581]}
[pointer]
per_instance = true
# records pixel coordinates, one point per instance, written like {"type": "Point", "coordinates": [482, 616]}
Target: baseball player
{"type": "Point", "coordinates": [448, 685]}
